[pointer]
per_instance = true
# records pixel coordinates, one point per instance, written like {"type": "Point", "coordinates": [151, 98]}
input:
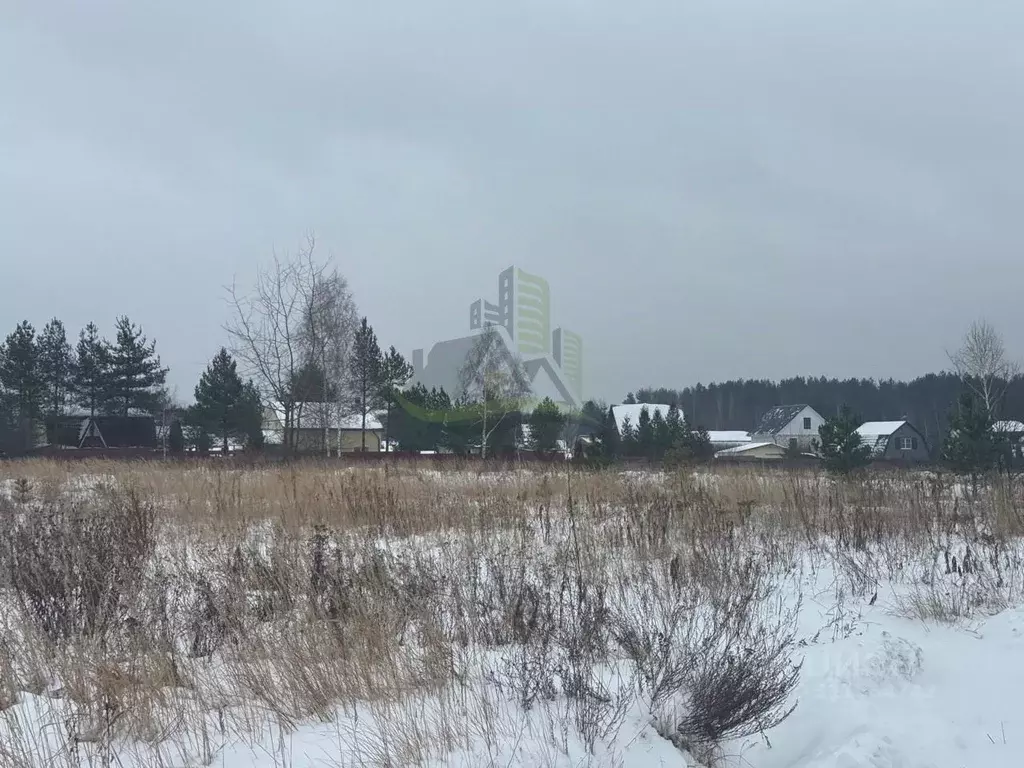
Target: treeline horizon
{"type": "Point", "coordinates": [739, 404]}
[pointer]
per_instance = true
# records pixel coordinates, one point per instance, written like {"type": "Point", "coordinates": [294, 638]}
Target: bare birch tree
{"type": "Point", "coordinates": [493, 379]}
{"type": "Point", "coordinates": [982, 364]}
{"type": "Point", "coordinates": [329, 322]}
{"type": "Point", "coordinates": [300, 312]}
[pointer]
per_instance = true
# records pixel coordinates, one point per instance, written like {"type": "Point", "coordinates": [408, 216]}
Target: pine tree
{"type": "Point", "coordinates": [19, 375]}
{"type": "Point", "coordinates": [218, 397]}
{"type": "Point", "coordinates": [196, 434]}
{"type": "Point", "coordinates": [135, 373]}
{"type": "Point", "coordinates": [546, 425]}
{"type": "Point", "coordinates": [56, 368]}
{"type": "Point", "coordinates": [394, 373]}
{"type": "Point", "coordinates": [630, 399]}
{"type": "Point", "coordinates": [92, 372]}
{"type": "Point", "coordinates": [841, 445]}
{"type": "Point", "coordinates": [367, 363]}
{"type": "Point", "coordinates": [310, 384]}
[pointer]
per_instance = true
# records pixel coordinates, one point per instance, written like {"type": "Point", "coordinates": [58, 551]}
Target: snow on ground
{"type": "Point", "coordinates": [897, 693]}
{"type": "Point", "coordinates": [876, 690]}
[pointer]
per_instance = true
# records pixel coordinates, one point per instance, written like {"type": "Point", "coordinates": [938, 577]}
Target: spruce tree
{"type": "Point", "coordinates": [644, 433]}
{"type": "Point", "coordinates": [249, 416]}
{"type": "Point", "coordinates": [546, 424]}
{"type": "Point", "coordinates": [176, 438]}
{"type": "Point", "coordinates": [218, 398]}
{"type": "Point", "coordinates": [135, 373]}
{"type": "Point", "coordinates": [700, 443]}
{"type": "Point", "coordinates": [439, 405]}
{"type": "Point", "coordinates": [19, 375]}
{"type": "Point", "coordinates": [56, 368]}
{"type": "Point", "coordinates": [408, 422]}
{"type": "Point", "coordinates": [970, 446]}
{"type": "Point", "coordinates": [841, 445]}
{"type": "Point", "coordinates": [676, 426]}
{"type": "Point", "coordinates": [628, 438]}
{"type": "Point", "coordinates": [394, 373]}
{"type": "Point", "coordinates": [610, 439]}
{"type": "Point", "coordinates": [92, 372]}
{"type": "Point", "coordinates": [367, 364]}
{"type": "Point", "coordinates": [660, 442]}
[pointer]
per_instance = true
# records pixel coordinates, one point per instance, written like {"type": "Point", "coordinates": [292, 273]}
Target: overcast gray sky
{"type": "Point", "coordinates": [713, 188]}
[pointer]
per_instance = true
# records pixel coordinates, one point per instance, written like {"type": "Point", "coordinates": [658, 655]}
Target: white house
{"type": "Point", "coordinates": [791, 426]}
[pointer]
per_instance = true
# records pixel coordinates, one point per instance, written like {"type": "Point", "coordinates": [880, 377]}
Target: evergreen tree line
{"type": "Point", "coordinates": [42, 375]}
{"type": "Point", "coordinates": [925, 402]}
{"type": "Point", "coordinates": [654, 437]}
{"type": "Point", "coordinates": [430, 420]}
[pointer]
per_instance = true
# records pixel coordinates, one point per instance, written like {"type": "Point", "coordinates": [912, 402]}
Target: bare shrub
{"type": "Point", "coordinates": [75, 564]}
{"type": "Point", "coordinates": [739, 687]}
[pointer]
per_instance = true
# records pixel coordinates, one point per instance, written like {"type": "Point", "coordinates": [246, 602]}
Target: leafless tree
{"type": "Point", "coordinates": [329, 322]}
{"type": "Point", "coordinates": [300, 312]}
{"type": "Point", "coordinates": [494, 379]}
{"type": "Point", "coordinates": [983, 366]}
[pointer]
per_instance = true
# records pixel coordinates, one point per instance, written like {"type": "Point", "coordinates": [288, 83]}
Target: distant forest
{"type": "Point", "coordinates": [925, 401]}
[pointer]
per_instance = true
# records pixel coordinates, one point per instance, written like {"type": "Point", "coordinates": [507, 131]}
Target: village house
{"type": "Point", "coordinates": [321, 428]}
{"type": "Point", "coordinates": [893, 441]}
{"type": "Point", "coordinates": [794, 427]}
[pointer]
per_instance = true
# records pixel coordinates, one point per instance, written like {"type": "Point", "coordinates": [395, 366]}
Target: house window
{"type": "Point", "coordinates": [807, 422]}
{"type": "Point", "coordinates": [908, 443]}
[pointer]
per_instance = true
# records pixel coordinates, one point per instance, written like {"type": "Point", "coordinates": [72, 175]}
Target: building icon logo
{"type": "Point", "coordinates": [522, 316]}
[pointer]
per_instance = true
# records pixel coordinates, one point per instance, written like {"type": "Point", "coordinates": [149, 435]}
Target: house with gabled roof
{"type": "Point", "coordinates": [894, 441]}
{"type": "Point", "coordinates": [791, 426]}
{"type": "Point", "coordinates": [446, 359]}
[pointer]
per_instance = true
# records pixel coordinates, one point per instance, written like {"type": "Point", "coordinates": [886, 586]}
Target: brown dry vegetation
{"type": "Point", "coordinates": [159, 613]}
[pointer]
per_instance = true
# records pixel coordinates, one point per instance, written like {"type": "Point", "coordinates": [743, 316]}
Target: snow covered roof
{"type": "Point", "coordinates": [871, 429]}
{"type": "Point", "coordinates": [741, 449]}
{"type": "Point", "coordinates": [1008, 425]}
{"type": "Point", "coordinates": [632, 412]}
{"type": "Point", "coordinates": [81, 413]}
{"type": "Point", "coordinates": [728, 436]}
{"type": "Point", "coordinates": [775, 420]}
{"type": "Point", "coordinates": [876, 434]}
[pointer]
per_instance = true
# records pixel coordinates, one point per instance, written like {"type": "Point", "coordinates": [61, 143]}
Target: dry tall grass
{"type": "Point", "coordinates": [157, 614]}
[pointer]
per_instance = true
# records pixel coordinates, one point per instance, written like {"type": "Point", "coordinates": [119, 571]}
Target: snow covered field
{"type": "Point", "coordinates": [313, 617]}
